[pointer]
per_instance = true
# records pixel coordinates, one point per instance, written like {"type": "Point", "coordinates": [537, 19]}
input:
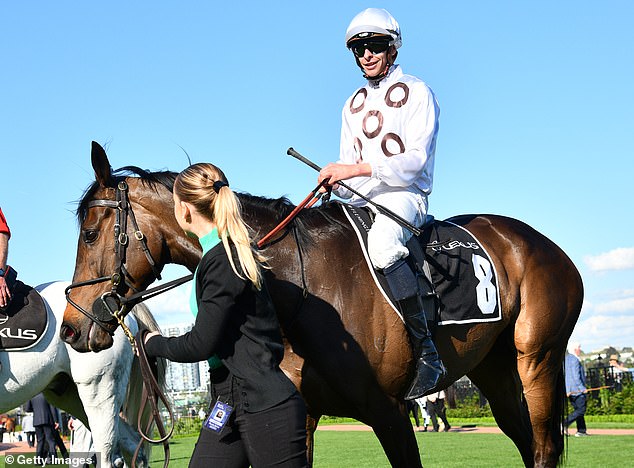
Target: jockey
{"type": "Point", "coordinates": [5, 235]}
{"type": "Point", "coordinates": [388, 141]}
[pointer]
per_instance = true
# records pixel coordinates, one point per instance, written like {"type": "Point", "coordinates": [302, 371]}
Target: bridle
{"type": "Point", "coordinates": [112, 307]}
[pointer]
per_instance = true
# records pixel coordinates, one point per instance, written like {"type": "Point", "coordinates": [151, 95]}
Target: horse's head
{"type": "Point", "coordinates": [127, 234]}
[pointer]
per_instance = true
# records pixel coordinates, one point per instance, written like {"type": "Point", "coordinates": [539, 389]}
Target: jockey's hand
{"type": "Point", "coordinates": [4, 292]}
{"type": "Point", "coordinates": [335, 172]}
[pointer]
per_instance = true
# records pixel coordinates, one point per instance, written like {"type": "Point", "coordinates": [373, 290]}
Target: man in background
{"type": "Point", "coordinates": [576, 389]}
{"type": "Point", "coordinates": [44, 422]}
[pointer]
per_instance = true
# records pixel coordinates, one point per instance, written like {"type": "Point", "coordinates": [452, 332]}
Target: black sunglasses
{"type": "Point", "coordinates": [375, 47]}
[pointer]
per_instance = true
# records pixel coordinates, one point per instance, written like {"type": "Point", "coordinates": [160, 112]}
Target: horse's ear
{"type": "Point", "coordinates": [101, 165]}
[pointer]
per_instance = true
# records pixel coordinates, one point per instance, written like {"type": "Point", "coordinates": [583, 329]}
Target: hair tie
{"type": "Point", "coordinates": [218, 184]}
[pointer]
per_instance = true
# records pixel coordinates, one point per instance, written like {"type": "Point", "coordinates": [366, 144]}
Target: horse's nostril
{"type": "Point", "coordinates": [68, 333]}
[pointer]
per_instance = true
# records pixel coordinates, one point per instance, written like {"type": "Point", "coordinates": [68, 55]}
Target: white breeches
{"type": "Point", "coordinates": [387, 238]}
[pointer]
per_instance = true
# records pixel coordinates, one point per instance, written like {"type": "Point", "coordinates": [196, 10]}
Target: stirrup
{"type": "Point", "coordinates": [426, 379]}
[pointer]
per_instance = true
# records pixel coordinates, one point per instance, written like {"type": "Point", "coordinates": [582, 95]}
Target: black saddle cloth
{"type": "Point", "coordinates": [462, 273]}
{"type": "Point", "coordinates": [24, 322]}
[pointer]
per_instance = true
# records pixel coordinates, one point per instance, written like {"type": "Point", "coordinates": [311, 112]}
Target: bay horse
{"type": "Point", "coordinates": [346, 350]}
{"type": "Point", "coordinates": [7, 426]}
{"type": "Point", "coordinates": [94, 389]}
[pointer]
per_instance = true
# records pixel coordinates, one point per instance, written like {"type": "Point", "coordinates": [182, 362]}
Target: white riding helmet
{"type": "Point", "coordinates": [374, 21]}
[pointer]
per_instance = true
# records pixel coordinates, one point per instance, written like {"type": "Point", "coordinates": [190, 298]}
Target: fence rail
{"type": "Point", "coordinates": [607, 376]}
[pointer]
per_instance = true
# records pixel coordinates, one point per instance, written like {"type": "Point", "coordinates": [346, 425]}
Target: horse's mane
{"type": "Point", "coordinates": [149, 178]}
{"type": "Point", "coordinates": [275, 208]}
{"type": "Point", "coordinates": [280, 208]}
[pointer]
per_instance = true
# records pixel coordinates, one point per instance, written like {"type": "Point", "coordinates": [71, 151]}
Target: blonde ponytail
{"type": "Point", "coordinates": [205, 186]}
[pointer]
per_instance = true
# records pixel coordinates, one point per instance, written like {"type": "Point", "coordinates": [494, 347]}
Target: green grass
{"type": "Point", "coordinates": [614, 421]}
{"type": "Point", "coordinates": [452, 449]}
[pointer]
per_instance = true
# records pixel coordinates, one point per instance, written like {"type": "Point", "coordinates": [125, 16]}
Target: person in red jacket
{"type": "Point", "coordinates": [5, 235]}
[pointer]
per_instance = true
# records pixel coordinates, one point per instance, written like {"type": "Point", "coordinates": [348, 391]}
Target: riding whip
{"type": "Point", "coordinates": [380, 208]}
{"type": "Point", "coordinates": [598, 388]}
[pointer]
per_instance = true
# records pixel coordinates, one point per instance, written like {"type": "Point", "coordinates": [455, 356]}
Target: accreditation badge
{"type": "Point", "coordinates": [218, 416]}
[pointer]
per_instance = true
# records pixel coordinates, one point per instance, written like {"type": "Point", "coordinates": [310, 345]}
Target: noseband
{"type": "Point", "coordinates": [114, 305]}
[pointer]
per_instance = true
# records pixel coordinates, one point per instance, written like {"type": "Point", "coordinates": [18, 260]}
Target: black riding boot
{"type": "Point", "coordinates": [405, 288]}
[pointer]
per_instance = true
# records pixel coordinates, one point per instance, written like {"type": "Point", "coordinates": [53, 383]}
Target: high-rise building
{"type": "Point", "coordinates": [184, 376]}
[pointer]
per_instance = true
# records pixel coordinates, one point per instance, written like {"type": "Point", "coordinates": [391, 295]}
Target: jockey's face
{"type": "Point", "coordinates": [374, 64]}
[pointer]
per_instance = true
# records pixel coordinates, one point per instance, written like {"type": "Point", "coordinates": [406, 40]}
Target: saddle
{"type": "Point", "coordinates": [456, 265]}
{"type": "Point", "coordinates": [24, 322]}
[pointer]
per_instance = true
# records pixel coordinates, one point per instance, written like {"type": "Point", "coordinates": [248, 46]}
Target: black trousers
{"type": "Point", "coordinates": [59, 442]}
{"type": "Point", "coordinates": [272, 437]}
{"type": "Point", "coordinates": [45, 440]}
{"type": "Point", "coordinates": [412, 407]}
{"type": "Point", "coordinates": [579, 403]}
{"type": "Point", "coordinates": [437, 409]}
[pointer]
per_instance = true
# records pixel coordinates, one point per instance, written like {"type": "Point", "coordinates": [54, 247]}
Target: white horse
{"type": "Point", "coordinates": [94, 388]}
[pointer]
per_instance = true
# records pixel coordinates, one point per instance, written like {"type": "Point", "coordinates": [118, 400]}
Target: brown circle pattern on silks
{"type": "Point", "coordinates": [400, 103]}
{"type": "Point", "coordinates": [379, 127]}
{"type": "Point", "coordinates": [359, 108]}
{"type": "Point", "coordinates": [392, 137]}
{"type": "Point", "coordinates": [358, 148]}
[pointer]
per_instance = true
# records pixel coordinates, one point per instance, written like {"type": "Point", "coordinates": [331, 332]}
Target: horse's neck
{"type": "Point", "coordinates": [185, 252]}
{"type": "Point", "coordinates": [181, 249]}
{"type": "Point", "coordinates": [55, 298]}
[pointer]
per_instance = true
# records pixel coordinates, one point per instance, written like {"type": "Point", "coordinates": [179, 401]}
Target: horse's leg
{"type": "Point", "coordinates": [365, 401]}
{"type": "Point", "coordinates": [552, 293]}
{"type": "Point", "coordinates": [384, 432]}
{"type": "Point", "coordinates": [344, 384]}
{"type": "Point", "coordinates": [103, 420]}
{"type": "Point", "coordinates": [101, 381]}
{"type": "Point", "coordinates": [539, 361]}
{"type": "Point", "coordinates": [497, 377]}
{"type": "Point", "coordinates": [395, 432]}
{"type": "Point", "coordinates": [129, 439]}
{"type": "Point", "coordinates": [311, 427]}
{"type": "Point", "coordinates": [542, 377]}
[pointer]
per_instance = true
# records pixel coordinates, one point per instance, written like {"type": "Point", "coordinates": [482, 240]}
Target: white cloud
{"type": "Point", "coordinates": [618, 305]}
{"type": "Point", "coordinates": [172, 307]}
{"type": "Point", "coordinates": [599, 331]}
{"type": "Point", "coordinates": [617, 259]}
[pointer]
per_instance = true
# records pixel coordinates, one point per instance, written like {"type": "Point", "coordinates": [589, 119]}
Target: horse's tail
{"type": "Point", "coordinates": [146, 321]}
{"type": "Point", "coordinates": [560, 412]}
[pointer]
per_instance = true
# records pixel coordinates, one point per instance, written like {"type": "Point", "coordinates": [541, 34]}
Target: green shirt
{"type": "Point", "coordinates": [207, 242]}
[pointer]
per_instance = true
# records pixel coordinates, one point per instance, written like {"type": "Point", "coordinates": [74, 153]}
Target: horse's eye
{"type": "Point", "coordinates": [90, 235]}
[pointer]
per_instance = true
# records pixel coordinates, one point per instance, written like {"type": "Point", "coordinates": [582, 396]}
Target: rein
{"type": "Point", "coordinates": [151, 395]}
{"type": "Point", "coordinates": [308, 202]}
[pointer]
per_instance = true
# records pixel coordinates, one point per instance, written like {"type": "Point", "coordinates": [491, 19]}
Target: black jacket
{"type": "Point", "coordinates": [42, 411]}
{"type": "Point", "coordinates": [238, 323]}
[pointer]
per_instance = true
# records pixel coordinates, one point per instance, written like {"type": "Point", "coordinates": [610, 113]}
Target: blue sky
{"type": "Point", "coordinates": [536, 105]}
